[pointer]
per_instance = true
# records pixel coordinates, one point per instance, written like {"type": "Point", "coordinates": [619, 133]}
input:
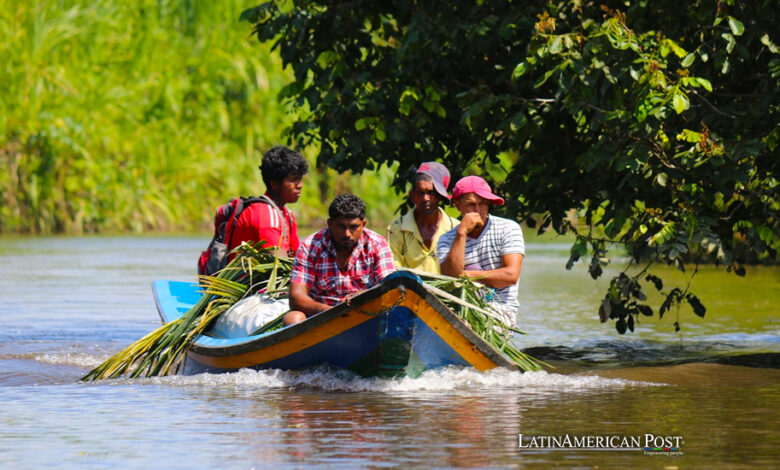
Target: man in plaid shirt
{"type": "Point", "coordinates": [341, 259]}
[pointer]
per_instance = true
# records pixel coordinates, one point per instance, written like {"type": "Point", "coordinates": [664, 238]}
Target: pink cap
{"type": "Point", "coordinates": [478, 186]}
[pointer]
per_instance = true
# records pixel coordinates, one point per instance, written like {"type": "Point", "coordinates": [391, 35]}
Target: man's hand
{"type": "Point", "coordinates": [300, 300]}
{"type": "Point", "coordinates": [469, 222]}
{"type": "Point", "coordinates": [348, 298]}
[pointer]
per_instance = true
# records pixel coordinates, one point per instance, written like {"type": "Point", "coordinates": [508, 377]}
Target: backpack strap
{"type": "Point", "coordinates": [280, 213]}
{"type": "Point", "coordinates": [244, 202]}
{"type": "Point", "coordinates": [237, 207]}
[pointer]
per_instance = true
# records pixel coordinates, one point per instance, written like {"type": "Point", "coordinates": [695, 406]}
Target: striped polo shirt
{"type": "Point", "coordinates": [499, 237]}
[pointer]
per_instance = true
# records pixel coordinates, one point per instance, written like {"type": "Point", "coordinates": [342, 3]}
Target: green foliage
{"type": "Point", "coordinates": [652, 126]}
{"type": "Point", "coordinates": [467, 299]}
{"type": "Point", "coordinates": [126, 115]}
{"type": "Point", "coordinates": [143, 115]}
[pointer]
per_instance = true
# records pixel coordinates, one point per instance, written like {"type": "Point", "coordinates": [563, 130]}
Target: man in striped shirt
{"type": "Point", "coordinates": [484, 247]}
{"type": "Point", "coordinates": [342, 259]}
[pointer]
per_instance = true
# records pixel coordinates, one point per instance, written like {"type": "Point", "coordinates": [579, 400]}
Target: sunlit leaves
{"type": "Point", "coordinates": [519, 70]}
{"type": "Point", "coordinates": [736, 26]}
{"type": "Point", "coordinates": [680, 102]}
{"type": "Point", "coordinates": [663, 235]}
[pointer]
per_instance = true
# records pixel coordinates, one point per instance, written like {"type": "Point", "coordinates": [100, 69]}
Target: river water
{"type": "Point", "coordinates": [66, 304]}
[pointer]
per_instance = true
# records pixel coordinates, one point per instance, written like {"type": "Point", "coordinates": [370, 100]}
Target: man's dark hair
{"type": "Point", "coordinates": [347, 205]}
{"type": "Point", "coordinates": [279, 162]}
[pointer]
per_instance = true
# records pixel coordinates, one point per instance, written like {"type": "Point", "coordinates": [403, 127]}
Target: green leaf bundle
{"type": "Point", "coordinates": [161, 351]}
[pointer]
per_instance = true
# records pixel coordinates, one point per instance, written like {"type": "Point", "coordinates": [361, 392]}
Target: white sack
{"type": "Point", "coordinates": [247, 315]}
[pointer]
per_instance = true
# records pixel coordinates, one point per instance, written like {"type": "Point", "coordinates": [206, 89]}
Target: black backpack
{"type": "Point", "coordinates": [216, 255]}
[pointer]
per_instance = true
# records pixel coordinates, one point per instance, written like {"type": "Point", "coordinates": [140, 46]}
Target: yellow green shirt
{"type": "Point", "coordinates": [407, 244]}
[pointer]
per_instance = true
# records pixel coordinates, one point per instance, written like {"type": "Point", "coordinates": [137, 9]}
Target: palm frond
{"type": "Point", "coordinates": [467, 299]}
{"type": "Point", "coordinates": [161, 351]}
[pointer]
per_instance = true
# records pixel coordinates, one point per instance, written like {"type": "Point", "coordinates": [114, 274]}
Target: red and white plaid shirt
{"type": "Point", "coordinates": [316, 266]}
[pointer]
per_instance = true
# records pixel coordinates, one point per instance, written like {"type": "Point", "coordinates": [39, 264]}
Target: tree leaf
{"type": "Point", "coordinates": [645, 310]}
{"type": "Point", "coordinates": [730, 42]}
{"type": "Point", "coordinates": [705, 84]}
{"type": "Point", "coordinates": [620, 325]}
{"type": "Point", "coordinates": [603, 315]}
{"type": "Point", "coordinates": [688, 135]}
{"type": "Point", "coordinates": [657, 282]}
{"type": "Point", "coordinates": [518, 121]}
{"type": "Point", "coordinates": [680, 102]}
{"type": "Point", "coordinates": [519, 70]}
{"type": "Point", "coordinates": [696, 304]}
{"type": "Point", "coordinates": [736, 26]}
{"type": "Point", "coordinates": [545, 77]}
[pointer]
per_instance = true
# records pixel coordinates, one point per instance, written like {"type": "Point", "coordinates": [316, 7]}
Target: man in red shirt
{"type": "Point", "coordinates": [282, 170]}
{"type": "Point", "coordinates": [341, 259]}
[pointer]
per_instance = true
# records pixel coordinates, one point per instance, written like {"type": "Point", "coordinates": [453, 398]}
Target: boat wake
{"type": "Point", "coordinates": [441, 380]}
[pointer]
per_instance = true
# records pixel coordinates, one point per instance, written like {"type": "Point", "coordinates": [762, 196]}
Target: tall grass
{"type": "Point", "coordinates": [136, 116]}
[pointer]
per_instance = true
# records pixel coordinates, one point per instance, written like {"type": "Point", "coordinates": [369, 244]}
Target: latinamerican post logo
{"type": "Point", "coordinates": [649, 444]}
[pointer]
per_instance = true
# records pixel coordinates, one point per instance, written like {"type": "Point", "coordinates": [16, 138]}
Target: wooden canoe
{"type": "Point", "coordinates": [395, 328]}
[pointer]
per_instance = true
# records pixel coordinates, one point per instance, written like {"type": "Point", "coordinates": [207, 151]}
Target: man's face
{"type": "Point", "coordinates": [470, 202]}
{"type": "Point", "coordinates": [346, 232]}
{"type": "Point", "coordinates": [289, 190]}
{"type": "Point", "coordinates": [425, 198]}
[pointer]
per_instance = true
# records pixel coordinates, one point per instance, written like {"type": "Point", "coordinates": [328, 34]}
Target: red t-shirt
{"type": "Point", "coordinates": [261, 221]}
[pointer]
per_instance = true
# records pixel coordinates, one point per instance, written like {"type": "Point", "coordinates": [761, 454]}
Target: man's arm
{"type": "Point", "coordinates": [395, 238]}
{"type": "Point", "coordinates": [384, 262]}
{"type": "Point", "coordinates": [300, 300]}
{"type": "Point", "coordinates": [454, 263]}
{"type": "Point", "coordinates": [506, 275]}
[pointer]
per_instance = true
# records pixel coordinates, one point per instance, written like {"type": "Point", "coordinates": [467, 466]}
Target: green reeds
{"type": "Point", "coordinates": [121, 116]}
{"type": "Point", "coordinates": [161, 351]}
{"type": "Point", "coordinates": [126, 116]}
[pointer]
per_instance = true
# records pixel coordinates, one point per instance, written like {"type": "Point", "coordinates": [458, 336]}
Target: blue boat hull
{"type": "Point", "coordinates": [396, 328]}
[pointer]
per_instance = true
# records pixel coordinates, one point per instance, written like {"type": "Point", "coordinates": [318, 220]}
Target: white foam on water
{"type": "Point", "coordinates": [71, 359]}
{"type": "Point", "coordinates": [443, 380]}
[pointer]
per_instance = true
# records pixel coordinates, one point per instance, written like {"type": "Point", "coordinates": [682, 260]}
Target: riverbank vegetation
{"type": "Point", "coordinates": [143, 116]}
{"type": "Point", "coordinates": [656, 123]}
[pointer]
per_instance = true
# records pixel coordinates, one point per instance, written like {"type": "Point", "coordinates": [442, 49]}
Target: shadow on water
{"type": "Point", "coordinates": [696, 374]}
{"type": "Point", "coordinates": [625, 354]}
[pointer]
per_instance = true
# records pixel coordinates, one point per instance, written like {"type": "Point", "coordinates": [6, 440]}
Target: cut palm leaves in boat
{"type": "Point", "coordinates": [255, 269]}
{"type": "Point", "coordinates": [466, 298]}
